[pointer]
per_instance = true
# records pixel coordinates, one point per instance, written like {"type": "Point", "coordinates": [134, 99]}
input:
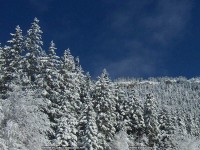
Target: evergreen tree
{"type": "Point", "coordinates": [1, 58]}
{"type": "Point", "coordinates": [69, 103]}
{"type": "Point", "coordinates": [39, 90]}
{"type": "Point", "coordinates": [104, 105]}
{"type": "Point", "coordinates": [11, 61]}
{"type": "Point", "coordinates": [82, 80]}
{"type": "Point", "coordinates": [195, 128]}
{"type": "Point", "coordinates": [12, 56]}
{"type": "Point", "coordinates": [89, 136]}
{"type": "Point", "coordinates": [190, 124]}
{"type": "Point", "coordinates": [121, 109]}
{"type": "Point", "coordinates": [68, 61]}
{"type": "Point", "coordinates": [88, 131]}
{"type": "Point", "coordinates": [70, 81]}
{"type": "Point", "coordinates": [54, 60]}
{"type": "Point", "coordinates": [181, 123]}
{"type": "Point", "coordinates": [49, 80]}
{"type": "Point", "coordinates": [6, 77]}
{"type": "Point", "coordinates": [15, 49]}
{"type": "Point", "coordinates": [50, 76]}
{"type": "Point", "coordinates": [150, 119]}
{"type": "Point", "coordinates": [33, 46]}
{"type": "Point", "coordinates": [136, 117]}
{"type": "Point", "coordinates": [167, 129]}
{"type": "Point", "coordinates": [87, 87]}
{"type": "Point", "coordinates": [66, 133]}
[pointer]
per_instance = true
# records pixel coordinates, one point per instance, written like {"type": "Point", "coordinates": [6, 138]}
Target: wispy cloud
{"type": "Point", "coordinates": [161, 20]}
{"type": "Point", "coordinates": [169, 20]}
{"type": "Point", "coordinates": [134, 66]}
{"type": "Point", "coordinates": [146, 29]}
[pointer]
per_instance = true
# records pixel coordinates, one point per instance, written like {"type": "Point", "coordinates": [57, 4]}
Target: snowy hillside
{"type": "Point", "coordinates": [48, 100]}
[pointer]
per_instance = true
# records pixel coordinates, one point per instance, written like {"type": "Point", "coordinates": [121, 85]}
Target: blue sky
{"type": "Point", "coordinates": [132, 38]}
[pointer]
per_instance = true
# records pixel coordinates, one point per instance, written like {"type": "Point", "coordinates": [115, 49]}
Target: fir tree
{"type": "Point", "coordinates": [12, 67]}
{"type": "Point", "coordinates": [1, 58]}
{"type": "Point", "coordinates": [50, 76]}
{"type": "Point", "coordinates": [49, 81]}
{"type": "Point", "coordinates": [16, 48]}
{"type": "Point", "coordinates": [167, 129]}
{"type": "Point", "coordinates": [136, 116]}
{"type": "Point", "coordinates": [69, 103]}
{"type": "Point", "coordinates": [89, 136]}
{"type": "Point", "coordinates": [6, 76]}
{"type": "Point", "coordinates": [121, 109]}
{"type": "Point", "coordinates": [70, 81]}
{"type": "Point", "coordinates": [104, 104]}
{"type": "Point", "coordinates": [88, 131]}
{"type": "Point", "coordinates": [66, 133]}
{"type": "Point", "coordinates": [33, 46]}
{"type": "Point", "coordinates": [150, 119]}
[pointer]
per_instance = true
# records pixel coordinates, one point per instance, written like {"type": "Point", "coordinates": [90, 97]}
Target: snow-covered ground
{"type": "Point", "coordinates": [189, 144]}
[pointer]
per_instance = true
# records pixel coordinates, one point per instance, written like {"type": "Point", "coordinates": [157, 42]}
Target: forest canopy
{"type": "Point", "coordinates": [46, 99]}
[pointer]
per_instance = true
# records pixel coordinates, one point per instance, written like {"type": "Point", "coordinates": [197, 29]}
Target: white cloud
{"type": "Point", "coordinates": [146, 34]}
{"type": "Point", "coordinates": [169, 20]}
{"type": "Point", "coordinates": [132, 66]}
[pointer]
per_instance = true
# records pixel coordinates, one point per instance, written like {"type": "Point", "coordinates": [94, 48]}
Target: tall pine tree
{"type": "Point", "coordinates": [104, 105]}
{"type": "Point", "coordinates": [33, 46]}
{"type": "Point", "coordinates": [151, 120]}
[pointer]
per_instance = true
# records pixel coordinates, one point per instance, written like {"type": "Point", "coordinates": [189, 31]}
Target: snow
{"type": "Point", "coordinates": [121, 141]}
{"type": "Point", "coordinates": [48, 99]}
{"type": "Point", "coordinates": [149, 82]}
{"type": "Point", "coordinates": [189, 143]}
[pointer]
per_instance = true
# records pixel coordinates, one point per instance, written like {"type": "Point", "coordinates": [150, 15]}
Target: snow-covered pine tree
{"type": "Point", "coordinates": [88, 131]}
{"type": "Point", "coordinates": [89, 135]}
{"type": "Point", "coordinates": [49, 81]}
{"type": "Point", "coordinates": [135, 114]}
{"type": "Point", "coordinates": [10, 61]}
{"type": "Point", "coordinates": [51, 71]}
{"type": "Point", "coordinates": [33, 47]}
{"type": "Point", "coordinates": [66, 131]}
{"type": "Point", "coordinates": [71, 81]}
{"type": "Point", "coordinates": [105, 105]}
{"type": "Point", "coordinates": [190, 124]}
{"type": "Point", "coordinates": [151, 120]}
{"type": "Point", "coordinates": [81, 79]}
{"type": "Point", "coordinates": [121, 109]}
{"type": "Point", "coordinates": [1, 57]}
{"type": "Point", "coordinates": [69, 104]}
{"type": "Point", "coordinates": [2, 60]}
{"type": "Point", "coordinates": [6, 78]}
{"type": "Point", "coordinates": [195, 128]}
{"type": "Point", "coordinates": [49, 78]}
{"type": "Point", "coordinates": [86, 91]}
{"type": "Point", "coordinates": [68, 61]}
{"type": "Point", "coordinates": [181, 123]}
{"type": "Point", "coordinates": [12, 56]}
{"type": "Point", "coordinates": [54, 60]}
{"type": "Point", "coordinates": [15, 50]}
{"type": "Point", "coordinates": [87, 87]}
{"type": "Point", "coordinates": [65, 124]}
{"type": "Point", "coordinates": [167, 129]}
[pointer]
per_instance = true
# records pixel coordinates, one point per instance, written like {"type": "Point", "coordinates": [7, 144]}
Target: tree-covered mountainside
{"type": "Point", "coordinates": [48, 100]}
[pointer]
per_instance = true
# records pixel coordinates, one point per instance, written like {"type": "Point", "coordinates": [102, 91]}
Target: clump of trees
{"type": "Point", "coordinates": [46, 99]}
